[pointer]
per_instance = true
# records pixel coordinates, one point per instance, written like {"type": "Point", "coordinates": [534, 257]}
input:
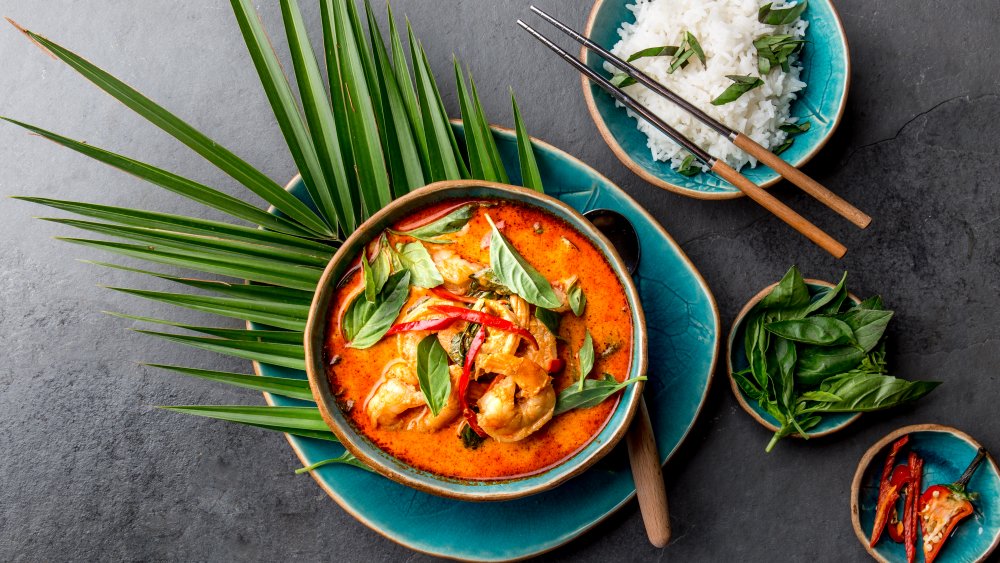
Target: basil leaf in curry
{"type": "Point", "coordinates": [415, 258]}
{"type": "Point", "coordinates": [741, 85]}
{"type": "Point", "coordinates": [594, 392]}
{"type": "Point", "coordinates": [450, 223]}
{"type": "Point", "coordinates": [577, 299]}
{"type": "Point", "coordinates": [516, 273]}
{"type": "Point", "coordinates": [376, 273]}
{"type": "Point", "coordinates": [586, 358]}
{"type": "Point", "coordinates": [370, 321]}
{"type": "Point", "coordinates": [550, 319]}
{"type": "Point", "coordinates": [432, 373]}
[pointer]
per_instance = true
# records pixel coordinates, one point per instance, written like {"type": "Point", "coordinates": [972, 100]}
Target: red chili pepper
{"type": "Point", "coordinates": [887, 492]}
{"type": "Point", "coordinates": [463, 383]}
{"type": "Point", "coordinates": [943, 507]}
{"type": "Point", "coordinates": [428, 324]}
{"type": "Point", "coordinates": [556, 365]}
{"type": "Point", "coordinates": [910, 515]}
{"type": "Point", "coordinates": [895, 527]}
{"type": "Point", "coordinates": [901, 476]}
{"type": "Point", "coordinates": [485, 319]}
{"type": "Point", "coordinates": [445, 294]}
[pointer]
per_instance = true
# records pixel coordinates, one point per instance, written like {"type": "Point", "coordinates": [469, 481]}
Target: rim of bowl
{"type": "Point", "coordinates": [316, 326]}
{"type": "Point", "coordinates": [875, 450]}
{"type": "Point", "coordinates": [632, 165]}
{"type": "Point", "coordinates": [740, 317]}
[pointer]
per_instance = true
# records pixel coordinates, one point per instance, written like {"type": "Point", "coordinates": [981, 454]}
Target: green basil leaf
{"type": "Point", "coordinates": [621, 80]}
{"type": "Point", "coordinates": [516, 273]}
{"type": "Point", "coordinates": [749, 388]}
{"type": "Point", "coordinates": [594, 392]}
{"type": "Point", "coordinates": [550, 319]}
{"type": "Point", "coordinates": [664, 51]}
{"type": "Point", "coordinates": [741, 85]}
{"type": "Point", "coordinates": [375, 274]}
{"type": "Point", "coordinates": [825, 299]}
{"type": "Point", "coordinates": [470, 439]}
{"type": "Point", "coordinates": [695, 46]}
{"type": "Point", "coordinates": [486, 281]}
{"type": "Point", "coordinates": [586, 357]}
{"type": "Point", "coordinates": [415, 258]}
{"type": "Point", "coordinates": [859, 391]}
{"type": "Point", "coordinates": [784, 146]}
{"type": "Point", "coordinates": [868, 325]}
{"type": "Point", "coordinates": [785, 354]}
{"type": "Point", "coordinates": [790, 292]}
{"type": "Point", "coordinates": [577, 299]}
{"type": "Point", "coordinates": [356, 315]}
{"type": "Point", "coordinates": [680, 60]}
{"type": "Point", "coordinates": [432, 373]}
{"type": "Point", "coordinates": [450, 223]}
{"type": "Point", "coordinates": [379, 316]}
{"type": "Point", "coordinates": [820, 396]}
{"type": "Point", "coordinates": [872, 303]}
{"type": "Point", "coordinates": [783, 16]}
{"type": "Point", "coordinates": [820, 331]}
{"type": "Point", "coordinates": [816, 363]}
{"type": "Point", "coordinates": [796, 128]}
{"type": "Point", "coordinates": [756, 341]}
{"type": "Point", "coordinates": [689, 167]}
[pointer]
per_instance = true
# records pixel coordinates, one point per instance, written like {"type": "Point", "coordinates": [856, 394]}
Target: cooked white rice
{"type": "Point", "coordinates": [726, 30]}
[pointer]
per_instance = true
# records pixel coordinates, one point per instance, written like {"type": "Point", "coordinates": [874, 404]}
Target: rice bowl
{"type": "Point", "coordinates": [726, 30]}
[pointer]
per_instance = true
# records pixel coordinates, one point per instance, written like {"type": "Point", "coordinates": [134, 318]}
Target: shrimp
{"type": "Point", "coordinates": [520, 400]}
{"type": "Point", "coordinates": [396, 401]}
{"type": "Point", "coordinates": [500, 341]}
{"type": "Point", "coordinates": [406, 342]}
{"type": "Point", "coordinates": [561, 287]}
{"type": "Point", "coordinates": [455, 270]}
{"type": "Point", "coordinates": [547, 351]}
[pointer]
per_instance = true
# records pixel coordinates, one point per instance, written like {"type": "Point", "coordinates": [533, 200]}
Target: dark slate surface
{"type": "Point", "coordinates": [89, 470]}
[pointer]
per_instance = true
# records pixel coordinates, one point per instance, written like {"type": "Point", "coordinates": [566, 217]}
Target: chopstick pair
{"type": "Point", "coordinates": [728, 173]}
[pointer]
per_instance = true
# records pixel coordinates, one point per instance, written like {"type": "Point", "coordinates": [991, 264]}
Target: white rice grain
{"type": "Point", "coordinates": [726, 30]}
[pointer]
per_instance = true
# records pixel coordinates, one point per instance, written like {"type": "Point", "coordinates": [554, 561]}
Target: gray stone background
{"type": "Point", "coordinates": [90, 471]}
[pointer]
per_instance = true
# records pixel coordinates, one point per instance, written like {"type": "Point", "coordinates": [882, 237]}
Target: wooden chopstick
{"type": "Point", "coordinates": [776, 163]}
{"type": "Point", "coordinates": [728, 173]}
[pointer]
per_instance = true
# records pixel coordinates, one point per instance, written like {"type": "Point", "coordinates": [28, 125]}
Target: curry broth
{"type": "Point", "coordinates": [556, 252]}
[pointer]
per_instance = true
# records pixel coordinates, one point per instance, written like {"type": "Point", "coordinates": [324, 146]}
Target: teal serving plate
{"type": "Point", "coordinates": [683, 336]}
{"type": "Point", "coordinates": [736, 358]}
{"type": "Point", "coordinates": [826, 69]}
{"type": "Point", "coordinates": [946, 453]}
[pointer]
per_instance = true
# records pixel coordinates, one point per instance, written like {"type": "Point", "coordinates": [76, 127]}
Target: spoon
{"type": "Point", "coordinates": [642, 452]}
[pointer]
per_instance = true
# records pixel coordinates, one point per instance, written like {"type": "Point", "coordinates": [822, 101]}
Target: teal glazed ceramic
{"type": "Point", "coordinates": [825, 68]}
{"type": "Point", "coordinates": [683, 336]}
{"type": "Point", "coordinates": [368, 451]}
{"type": "Point", "coordinates": [736, 357]}
{"type": "Point", "coordinates": [946, 453]}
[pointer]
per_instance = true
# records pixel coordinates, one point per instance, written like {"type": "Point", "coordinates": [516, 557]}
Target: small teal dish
{"type": "Point", "coordinates": [946, 453]}
{"type": "Point", "coordinates": [736, 358]}
{"type": "Point", "coordinates": [826, 69]}
{"type": "Point", "coordinates": [683, 335]}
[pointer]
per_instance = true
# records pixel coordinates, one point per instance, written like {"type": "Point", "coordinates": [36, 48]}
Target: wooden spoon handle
{"type": "Point", "coordinates": [648, 475]}
{"type": "Point", "coordinates": [782, 211]}
{"type": "Point", "coordinates": [808, 185]}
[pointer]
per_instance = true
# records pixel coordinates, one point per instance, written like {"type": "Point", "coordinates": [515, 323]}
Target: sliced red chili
{"type": "Point", "coordinates": [910, 514]}
{"type": "Point", "coordinates": [556, 365]}
{"type": "Point", "coordinates": [887, 492]}
{"type": "Point", "coordinates": [485, 319]}
{"type": "Point", "coordinates": [463, 383]}
{"type": "Point", "coordinates": [428, 324]}
{"type": "Point", "coordinates": [445, 294]}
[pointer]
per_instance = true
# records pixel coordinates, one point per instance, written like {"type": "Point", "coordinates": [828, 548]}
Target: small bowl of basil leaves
{"type": "Point", "coordinates": [806, 358]}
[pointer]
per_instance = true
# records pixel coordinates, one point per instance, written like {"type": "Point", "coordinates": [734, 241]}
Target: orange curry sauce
{"type": "Point", "coordinates": [557, 251]}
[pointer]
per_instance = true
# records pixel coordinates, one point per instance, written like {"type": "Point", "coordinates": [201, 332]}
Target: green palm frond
{"type": "Point", "coordinates": [375, 127]}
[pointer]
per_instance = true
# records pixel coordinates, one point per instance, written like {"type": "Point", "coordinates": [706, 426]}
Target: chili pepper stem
{"type": "Point", "coordinates": [964, 479]}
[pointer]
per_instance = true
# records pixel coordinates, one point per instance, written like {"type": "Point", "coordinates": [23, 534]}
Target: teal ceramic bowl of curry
{"type": "Point", "coordinates": [447, 337]}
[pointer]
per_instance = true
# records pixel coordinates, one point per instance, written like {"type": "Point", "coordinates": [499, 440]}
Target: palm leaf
{"type": "Point", "coordinates": [174, 183]}
{"type": "Point", "coordinates": [403, 79]}
{"type": "Point", "coordinates": [273, 336]}
{"type": "Point", "coordinates": [347, 458]}
{"type": "Point", "coordinates": [215, 153]}
{"type": "Point", "coordinates": [530, 176]}
{"type": "Point", "coordinates": [286, 112]}
{"type": "Point", "coordinates": [241, 290]}
{"type": "Point", "coordinates": [271, 313]}
{"type": "Point", "coordinates": [284, 355]}
{"type": "Point", "coordinates": [405, 164]}
{"type": "Point", "coordinates": [487, 134]}
{"type": "Point", "coordinates": [369, 161]}
{"type": "Point", "coordinates": [479, 157]}
{"type": "Point", "coordinates": [254, 269]}
{"type": "Point", "coordinates": [300, 421]}
{"type": "Point", "coordinates": [181, 224]}
{"type": "Point", "coordinates": [286, 387]}
{"type": "Point", "coordinates": [443, 162]}
{"type": "Point", "coordinates": [319, 115]}
{"type": "Point", "coordinates": [198, 245]}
